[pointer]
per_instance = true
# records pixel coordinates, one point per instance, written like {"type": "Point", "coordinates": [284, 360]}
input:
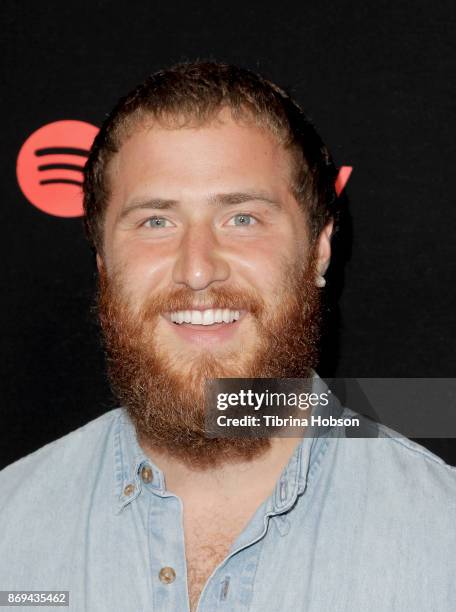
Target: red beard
{"type": "Point", "coordinates": [166, 402]}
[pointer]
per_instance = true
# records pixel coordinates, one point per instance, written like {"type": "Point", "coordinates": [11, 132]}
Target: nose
{"type": "Point", "coordinates": [199, 261]}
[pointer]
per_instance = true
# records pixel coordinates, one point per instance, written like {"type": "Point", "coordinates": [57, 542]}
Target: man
{"type": "Point", "coordinates": [210, 205]}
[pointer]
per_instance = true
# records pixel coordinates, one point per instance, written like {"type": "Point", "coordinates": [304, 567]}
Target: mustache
{"type": "Point", "coordinates": [184, 298]}
{"type": "Point", "coordinates": [112, 298]}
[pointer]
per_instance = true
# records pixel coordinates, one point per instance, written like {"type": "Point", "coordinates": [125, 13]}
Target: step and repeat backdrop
{"type": "Point", "coordinates": [376, 78]}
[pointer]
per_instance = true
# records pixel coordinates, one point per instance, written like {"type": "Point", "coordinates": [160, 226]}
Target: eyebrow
{"type": "Point", "coordinates": [218, 200]}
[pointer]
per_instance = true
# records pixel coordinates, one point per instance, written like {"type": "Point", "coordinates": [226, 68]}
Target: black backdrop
{"type": "Point", "coordinates": [377, 78]}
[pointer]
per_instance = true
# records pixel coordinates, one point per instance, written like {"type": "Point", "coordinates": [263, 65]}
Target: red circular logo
{"type": "Point", "coordinates": [50, 164]}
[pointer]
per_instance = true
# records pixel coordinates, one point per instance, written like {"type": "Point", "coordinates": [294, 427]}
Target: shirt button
{"type": "Point", "coordinates": [167, 575]}
{"type": "Point", "coordinates": [146, 474]}
{"type": "Point", "coordinates": [129, 489]}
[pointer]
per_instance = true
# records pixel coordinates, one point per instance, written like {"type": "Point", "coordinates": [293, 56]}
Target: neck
{"type": "Point", "coordinates": [237, 480]}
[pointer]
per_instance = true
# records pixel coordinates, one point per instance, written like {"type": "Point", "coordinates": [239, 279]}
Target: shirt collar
{"type": "Point", "coordinates": [133, 468]}
{"type": "Point", "coordinates": [132, 464]}
{"type": "Point", "coordinates": [308, 453]}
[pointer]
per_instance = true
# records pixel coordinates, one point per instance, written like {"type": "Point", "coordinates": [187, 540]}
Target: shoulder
{"type": "Point", "coordinates": [49, 500]}
{"type": "Point", "coordinates": [397, 464]}
{"type": "Point", "coordinates": [59, 462]}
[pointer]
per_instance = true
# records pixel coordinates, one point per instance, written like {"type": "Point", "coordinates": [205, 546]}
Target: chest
{"type": "Point", "coordinates": [207, 542]}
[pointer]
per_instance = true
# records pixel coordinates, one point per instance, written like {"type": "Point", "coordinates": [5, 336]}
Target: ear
{"type": "Point", "coordinates": [324, 248]}
{"type": "Point", "coordinates": [100, 264]}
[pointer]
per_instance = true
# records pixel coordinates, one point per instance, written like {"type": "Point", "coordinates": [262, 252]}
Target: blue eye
{"type": "Point", "coordinates": [156, 222]}
{"type": "Point", "coordinates": [243, 219]}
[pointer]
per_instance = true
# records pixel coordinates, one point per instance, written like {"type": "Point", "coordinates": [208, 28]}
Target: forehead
{"type": "Point", "coordinates": [222, 154]}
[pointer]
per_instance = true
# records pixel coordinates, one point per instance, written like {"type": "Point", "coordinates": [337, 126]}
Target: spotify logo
{"type": "Point", "coordinates": [50, 165]}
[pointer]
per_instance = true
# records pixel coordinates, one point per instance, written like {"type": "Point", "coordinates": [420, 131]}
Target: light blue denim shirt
{"type": "Point", "coordinates": [353, 525]}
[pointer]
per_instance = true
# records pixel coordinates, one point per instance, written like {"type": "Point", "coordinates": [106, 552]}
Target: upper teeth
{"type": "Point", "coordinates": [205, 317]}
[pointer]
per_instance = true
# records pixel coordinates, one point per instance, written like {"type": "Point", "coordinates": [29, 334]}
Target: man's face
{"type": "Point", "coordinates": [206, 269]}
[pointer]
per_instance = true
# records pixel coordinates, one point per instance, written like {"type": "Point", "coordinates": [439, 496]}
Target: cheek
{"type": "Point", "coordinates": [267, 267]}
{"type": "Point", "coordinates": [140, 266]}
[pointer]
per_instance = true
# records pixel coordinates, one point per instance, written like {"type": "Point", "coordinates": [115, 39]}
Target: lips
{"type": "Point", "coordinates": [208, 316]}
{"type": "Point", "coordinates": [205, 326]}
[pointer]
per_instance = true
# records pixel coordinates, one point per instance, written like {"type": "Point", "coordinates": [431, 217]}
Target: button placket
{"type": "Point", "coordinates": [166, 551]}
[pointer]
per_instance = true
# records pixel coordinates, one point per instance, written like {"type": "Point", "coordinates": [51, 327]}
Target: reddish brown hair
{"type": "Point", "coordinates": [195, 92]}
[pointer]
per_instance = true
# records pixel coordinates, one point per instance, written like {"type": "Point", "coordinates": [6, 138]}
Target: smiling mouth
{"type": "Point", "coordinates": [205, 317]}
